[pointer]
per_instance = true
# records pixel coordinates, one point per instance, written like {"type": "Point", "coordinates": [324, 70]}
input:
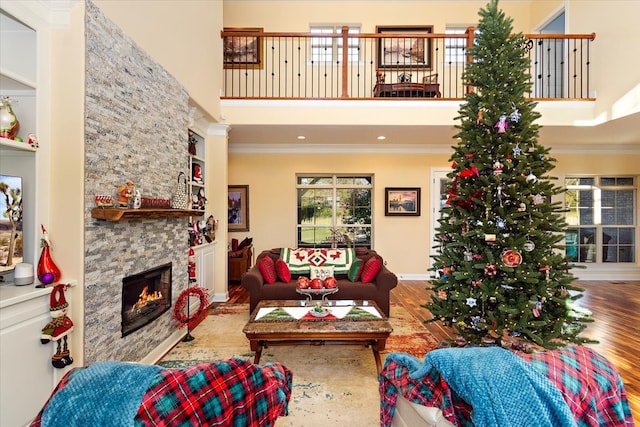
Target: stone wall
{"type": "Point", "coordinates": [135, 129]}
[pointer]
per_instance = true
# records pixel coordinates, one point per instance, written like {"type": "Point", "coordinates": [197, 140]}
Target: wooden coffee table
{"type": "Point", "coordinates": [289, 322]}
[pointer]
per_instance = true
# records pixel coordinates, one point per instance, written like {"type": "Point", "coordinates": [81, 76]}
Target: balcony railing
{"type": "Point", "coordinates": [267, 65]}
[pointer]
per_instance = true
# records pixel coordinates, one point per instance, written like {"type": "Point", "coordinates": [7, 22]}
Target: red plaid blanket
{"type": "Point", "coordinates": [233, 392]}
{"type": "Point", "coordinates": [589, 383]}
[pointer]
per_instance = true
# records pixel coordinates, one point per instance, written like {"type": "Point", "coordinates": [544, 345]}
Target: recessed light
{"type": "Point", "coordinates": [302, 137]}
{"type": "Point", "coordinates": [382, 137]}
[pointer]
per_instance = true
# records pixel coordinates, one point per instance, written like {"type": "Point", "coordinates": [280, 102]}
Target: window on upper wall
{"type": "Point", "coordinates": [328, 49]}
{"type": "Point", "coordinates": [455, 49]}
{"type": "Point", "coordinates": [334, 210]}
{"type": "Point", "coordinates": [601, 219]}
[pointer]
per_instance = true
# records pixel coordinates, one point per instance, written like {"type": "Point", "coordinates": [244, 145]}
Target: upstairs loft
{"type": "Point", "coordinates": [395, 62]}
{"type": "Point", "coordinates": [404, 77]}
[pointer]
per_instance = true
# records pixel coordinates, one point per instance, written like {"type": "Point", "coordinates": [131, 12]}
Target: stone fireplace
{"type": "Point", "coordinates": [136, 121]}
{"type": "Point", "coordinates": [145, 296]}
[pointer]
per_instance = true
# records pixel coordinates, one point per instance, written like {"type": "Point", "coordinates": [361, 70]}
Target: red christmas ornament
{"type": "Point", "coordinates": [330, 282]}
{"type": "Point", "coordinates": [511, 258]}
{"type": "Point", "coordinates": [490, 270]}
{"type": "Point", "coordinates": [303, 282]}
{"type": "Point", "coordinates": [48, 271]}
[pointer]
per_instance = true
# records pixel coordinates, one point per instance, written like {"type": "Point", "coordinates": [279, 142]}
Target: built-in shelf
{"type": "Point", "coordinates": [12, 145]}
{"type": "Point", "coordinates": [119, 214]}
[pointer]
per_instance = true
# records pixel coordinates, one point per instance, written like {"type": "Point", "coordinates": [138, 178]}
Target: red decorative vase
{"type": "Point", "coordinates": [48, 271]}
{"type": "Point", "coordinates": [9, 124]}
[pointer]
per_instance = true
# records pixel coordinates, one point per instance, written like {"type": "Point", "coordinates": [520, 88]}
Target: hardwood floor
{"type": "Point", "coordinates": [616, 312]}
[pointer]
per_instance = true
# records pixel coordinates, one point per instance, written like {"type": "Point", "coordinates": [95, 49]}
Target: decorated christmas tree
{"type": "Point", "coordinates": [501, 269]}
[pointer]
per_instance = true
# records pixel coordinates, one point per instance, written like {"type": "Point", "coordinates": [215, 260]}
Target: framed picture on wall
{"type": "Point", "coordinates": [406, 50]}
{"type": "Point", "coordinates": [238, 209]}
{"type": "Point", "coordinates": [400, 201]}
{"type": "Point", "coordinates": [243, 48]}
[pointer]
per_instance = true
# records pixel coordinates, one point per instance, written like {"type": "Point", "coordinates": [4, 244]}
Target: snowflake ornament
{"type": "Point", "coordinates": [515, 115]}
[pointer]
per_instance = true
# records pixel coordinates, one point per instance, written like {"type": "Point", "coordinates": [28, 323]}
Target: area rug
{"type": "Point", "coordinates": [333, 385]}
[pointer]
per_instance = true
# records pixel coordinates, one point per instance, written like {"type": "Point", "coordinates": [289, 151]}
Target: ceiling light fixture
{"type": "Point", "coordinates": [382, 137]}
{"type": "Point", "coordinates": [301, 137]}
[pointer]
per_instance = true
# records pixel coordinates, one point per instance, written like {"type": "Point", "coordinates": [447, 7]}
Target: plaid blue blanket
{"type": "Point", "coordinates": [232, 392]}
{"type": "Point", "coordinates": [589, 384]}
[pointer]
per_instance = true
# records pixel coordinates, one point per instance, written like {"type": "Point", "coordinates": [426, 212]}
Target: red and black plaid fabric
{"type": "Point", "coordinates": [589, 383]}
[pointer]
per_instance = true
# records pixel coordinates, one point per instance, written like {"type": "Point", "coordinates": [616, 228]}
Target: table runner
{"type": "Point", "coordinates": [287, 314]}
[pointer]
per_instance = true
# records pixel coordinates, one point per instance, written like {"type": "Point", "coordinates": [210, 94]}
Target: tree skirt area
{"type": "Point", "coordinates": [333, 385]}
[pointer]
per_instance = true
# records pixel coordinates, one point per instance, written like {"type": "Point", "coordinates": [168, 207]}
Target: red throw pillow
{"type": "Point", "coordinates": [282, 271]}
{"type": "Point", "coordinates": [268, 269]}
{"type": "Point", "coordinates": [370, 269]}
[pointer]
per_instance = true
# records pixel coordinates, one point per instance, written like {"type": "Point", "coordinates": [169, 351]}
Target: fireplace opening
{"type": "Point", "coordinates": [145, 297]}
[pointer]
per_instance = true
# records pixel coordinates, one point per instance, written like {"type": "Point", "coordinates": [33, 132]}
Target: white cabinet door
{"type": "Point", "coordinates": [205, 267]}
{"type": "Point", "coordinates": [27, 376]}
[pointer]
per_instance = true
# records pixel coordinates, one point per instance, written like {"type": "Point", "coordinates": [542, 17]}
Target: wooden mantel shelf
{"type": "Point", "coordinates": [118, 214]}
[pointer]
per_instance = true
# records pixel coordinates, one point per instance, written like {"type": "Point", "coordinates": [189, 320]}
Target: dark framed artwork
{"type": "Point", "coordinates": [401, 201]}
{"type": "Point", "coordinates": [404, 51]}
{"type": "Point", "coordinates": [242, 50]}
{"type": "Point", "coordinates": [238, 208]}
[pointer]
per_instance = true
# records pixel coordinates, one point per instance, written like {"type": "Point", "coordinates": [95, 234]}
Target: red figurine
{"type": "Point", "coordinates": [48, 271]}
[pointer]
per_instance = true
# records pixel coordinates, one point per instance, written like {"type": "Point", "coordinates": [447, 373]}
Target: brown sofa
{"type": "Point", "coordinates": [378, 290]}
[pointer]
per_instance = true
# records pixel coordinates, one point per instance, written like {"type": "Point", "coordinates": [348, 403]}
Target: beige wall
{"type": "Point", "coordinates": [601, 164]}
{"type": "Point", "coordinates": [65, 174]}
{"type": "Point", "coordinates": [616, 79]}
{"type": "Point", "coordinates": [296, 16]}
{"type": "Point", "coordinates": [403, 241]}
{"type": "Point", "coordinates": [542, 11]}
{"type": "Point", "coordinates": [181, 35]}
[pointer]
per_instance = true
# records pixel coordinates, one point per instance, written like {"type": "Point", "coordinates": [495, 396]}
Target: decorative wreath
{"type": "Point", "coordinates": [179, 312]}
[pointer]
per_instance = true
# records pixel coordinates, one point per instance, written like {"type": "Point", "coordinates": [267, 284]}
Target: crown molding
{"type": "Point", "coordinates": [41, 13]}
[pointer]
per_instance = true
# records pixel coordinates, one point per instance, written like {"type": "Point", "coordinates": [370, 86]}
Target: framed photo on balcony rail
{"type": "Point", "coordinates": [242, 50]}
{"type": "Point", "coordinates": [238, 208]}
{"type": "Point", "coordinates": [404, 52]}
{"type": "Point", "coordinates": [400, 201]}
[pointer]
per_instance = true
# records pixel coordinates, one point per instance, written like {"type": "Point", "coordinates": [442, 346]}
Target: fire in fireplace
{"type": "Point", "coordinates": [145, 297]}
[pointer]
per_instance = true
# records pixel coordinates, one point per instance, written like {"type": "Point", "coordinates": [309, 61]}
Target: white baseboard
{"type": "Point", "coordinates": [602, 273]}
{"type": "Point", "coordinates": [413, 276]}
{"type": "Point", "coordinates": [220, 297]}
{"type": "Point", "coordinates": [589, 273]}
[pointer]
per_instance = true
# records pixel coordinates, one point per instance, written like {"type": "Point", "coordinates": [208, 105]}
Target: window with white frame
{"type": "Point", "coordinates": [602, 219]}
{"type": "Point", "coordinates": [334, 210]}
{"type": "Point", "coordinates": [329, 49]}
{"type": "Point", "coordinates": [455, 49]}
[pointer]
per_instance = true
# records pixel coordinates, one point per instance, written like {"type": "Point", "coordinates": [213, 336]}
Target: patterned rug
{"type": "Point", "coordinates": [333, 385]}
